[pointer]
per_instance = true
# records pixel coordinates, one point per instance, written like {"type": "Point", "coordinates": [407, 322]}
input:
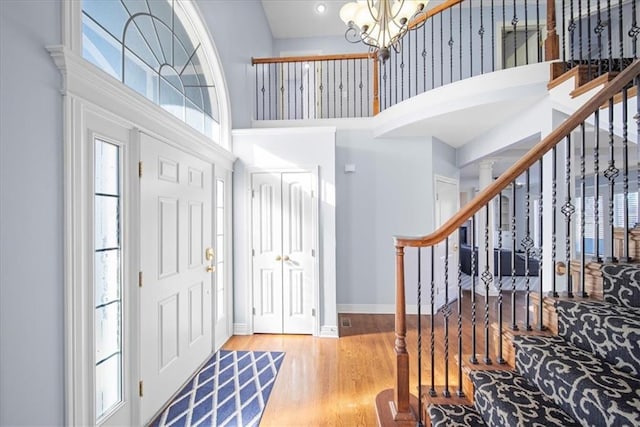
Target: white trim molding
{"type": "Point", "coordinates": [329, 331]}
{"type": "Point", "coordinates": [241, 329]}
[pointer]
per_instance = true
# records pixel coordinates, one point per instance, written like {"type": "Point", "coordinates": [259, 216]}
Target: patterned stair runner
{"type": "Point", "coordinates": [592, 391]}
{"type": "Point", "coordinates": [621, 284]}
{"type": "Point", "coordinates": [504, 398]}
{"type": "Point", "coordinates": [454, 416]}
{"type": "Point", "coordinates": [610, 332]}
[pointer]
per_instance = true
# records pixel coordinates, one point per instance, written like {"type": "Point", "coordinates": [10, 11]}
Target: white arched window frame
{"type": "Point", "coordinates": [90, 92]}
{"type": "Point", "coordinates": [188, 13]}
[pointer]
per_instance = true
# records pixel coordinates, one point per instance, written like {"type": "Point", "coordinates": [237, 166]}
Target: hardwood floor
{"type": "Point", "coordinates": [334, 382]}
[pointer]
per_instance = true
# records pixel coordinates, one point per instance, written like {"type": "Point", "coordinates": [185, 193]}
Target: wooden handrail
{"type": "Point", "coordinates": [525, 162]}
{"type": "Point", "coordinates": [311, 58]}
{"type": "Point", "coordinates": [432, 12]}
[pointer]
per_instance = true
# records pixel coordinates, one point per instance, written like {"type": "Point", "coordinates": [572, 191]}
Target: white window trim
{"type": "Point", "coordinates": [87, 88]}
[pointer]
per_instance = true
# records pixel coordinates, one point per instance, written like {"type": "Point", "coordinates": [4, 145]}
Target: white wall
{"type": "Point", "coordinates": [236, 46]}
{"type": "Point", "coordinates": [390, 193]}
{"type": "Point", "coordinates": [31, 244]}
{"type": "Point", "coordinates": [281, 149]}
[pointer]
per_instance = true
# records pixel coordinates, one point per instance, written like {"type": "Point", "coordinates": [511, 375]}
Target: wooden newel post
{"type": "Point", "coordinates": [376, 89]}
{"type": "Point", "coordinates": [551, 44]}
{"type": "Point", "coordinates": [402, 402]}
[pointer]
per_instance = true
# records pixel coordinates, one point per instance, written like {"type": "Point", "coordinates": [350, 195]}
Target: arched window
{"type": "Point", "coordinates": [152, 47]}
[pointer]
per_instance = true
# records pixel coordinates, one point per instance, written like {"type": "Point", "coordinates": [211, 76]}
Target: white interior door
{"type": "Point", "coordinates": [447, 199]}
{"type": "Point", "coordinates": [283, 222]}
{"type": "Point", "coordinates": [297, 255]}
{"type": "Point", "coordinates": [175, 297]}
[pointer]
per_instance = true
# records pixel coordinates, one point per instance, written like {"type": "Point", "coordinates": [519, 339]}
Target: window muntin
{"type": "Point", "coordinates": [150, 48]}
{"type": "Point", "coordinates": [107, 283]}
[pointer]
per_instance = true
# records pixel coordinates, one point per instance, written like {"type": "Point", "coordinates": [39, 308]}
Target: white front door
{"type": "Point", "coordinates": [175, 297]}
{"type": "Point", "coordinates": [283, 224]}
{"type": "Point", "coordinates": [447, 202]}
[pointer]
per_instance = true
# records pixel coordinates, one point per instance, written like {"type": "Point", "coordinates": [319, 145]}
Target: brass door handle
{"type": "Point", "coordinates": [210, 269]}
{"type": "Point", "coordinates": [286, 258]}
{"type": "Point", "coordinates": [208, 254]}
{"type": "Point", "coordinates": [278, 258]}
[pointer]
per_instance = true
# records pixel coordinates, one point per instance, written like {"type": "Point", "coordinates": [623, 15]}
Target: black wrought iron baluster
{"type": "Point", "coordinates": [459, 392]}
{"type": "Point", "coordinates": [269, 86]}
{"type": "Point", "coordinates": [609, 41]}
{"type": "Point", "coordinates": [514, 24]}
{"type": "Point", "coordinates": [487, 279]}
{"type": "Point", "coordinates": [568, 209]}
{"type": "Point", "coordinates": [500, 359]}
{"type": "Point", "coordinates": [424, 58]}
{"type": "Point", "coordinates": [626, 257]}
{"type": "Point", "coordinates": [450, 45]}
{"type": "Point", "coordinates": [635, 29]}
{"type": "Point", "coordinates": [346, 63]}
{"type": "Point", "coordinates": [446, 311]}
{"type": "Point", "coordinates": [481, 34]}
{"type": "Point", "coordinates": [539, 31]}
{"type": "Point", "coordinates": [572, 31]}
{"type": "Point", "coordinates": [340, 88]}
{"type": "Point", "coordinates": [257, 109]}
{"type": "Point", "coordinates": [295, 92]}
{"type": "Point", "coordinates": [493, 37]}
{"type": "Point", "coordinates": [433, 65]}
{"type": "Point", "coordinates": [408, 66]}
{"type": "Point", "coordinates": [432, 390]}
{"type": "Point", "coordinates": [564, 36]}
{"type": "Point", "coordinates": [541, 325]}
{"type": "Point", "coordinates": [474, 358]}
{"type": "Point", "coordinates": [401, 55]}
{"type": "Point", "coordinates": [583, 205]}
{"type": "Point", "coordinates": [470, 41]}
{"type": "Point", "coordinates": [527, 244]}
{"type": "Point", "coordinates": [419, 333]}
{"type": "Point", "coordinates": [596, 188]}
{"type": "Point", "coordinates": [441, 51]}
{"type": "Point", "coordinates": [621, 34]}
{"type": "Point", "coordinates": [394, 57]}
{"type": "Point", "coordinates": [502, 37]}
{"type": "Point", "coordinates": [460, 37]}
{"type": "Point", "coordinates": [526, 33]}
{"type": "Point", "coordinates": [383, 66]}
{"type": "Point", "coordinates": [598, 31]}
{"type": "Point", "coordinates": [282, 91]}
{"type": "Point", "coordinates": [361, 86]}
{"type": "Point", "coordinates": [335, 110]}
{"type": "Point", "coordinates": [589, 53]}
{"type": "Point", "coordinates": [611, 173]}
{"type": "Point", "coordinates": [554, 213]}
{"type": "Point", "coordinates": [636, 117]}
{"type": "Point", "coordinates": [580, 33]}
{"type": "Point", "coordinates": [514, 245]}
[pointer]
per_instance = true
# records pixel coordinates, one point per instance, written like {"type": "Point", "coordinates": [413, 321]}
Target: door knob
{"type": "Point", "coordinates": [208, 254]}
{"type": "Point", "coordinates": [210, 269]}
{"type": "Point", "coordinates": [278, 258]}
{"type": "Point", "coordinates": [286, 258]}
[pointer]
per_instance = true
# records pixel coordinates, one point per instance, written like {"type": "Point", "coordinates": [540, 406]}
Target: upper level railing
{"type": "Point", "coordinates": [459, 39]}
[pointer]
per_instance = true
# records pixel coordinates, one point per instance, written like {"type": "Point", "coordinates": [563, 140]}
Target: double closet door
{"type": "Point", "coordinates": [283, 248]}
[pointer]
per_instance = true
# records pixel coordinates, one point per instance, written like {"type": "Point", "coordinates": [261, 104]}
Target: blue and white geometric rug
{"type": "Point", "coordinates": [230, 390]}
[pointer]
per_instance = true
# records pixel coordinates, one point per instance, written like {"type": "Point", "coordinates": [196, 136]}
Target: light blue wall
{"type": "Point", "coordinates": [31, 216]}
{"type": "Point", "coordinates": [325, 45]}
{"type": "Point", "coordinates": [390, 193]}
{"type": "Point", "coordinates": [236, 46]}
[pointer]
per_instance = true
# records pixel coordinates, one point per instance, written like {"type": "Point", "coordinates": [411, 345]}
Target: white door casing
{"type": "Point", "coordinates": [175, 297]}
{"type": "Point", "coordinates": [446, 205]}
{"type": "Point", "coordinates": [284, 247]}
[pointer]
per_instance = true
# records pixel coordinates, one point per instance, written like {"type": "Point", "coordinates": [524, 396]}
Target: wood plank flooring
{"type": "Point", "coordinates": [334, 382]}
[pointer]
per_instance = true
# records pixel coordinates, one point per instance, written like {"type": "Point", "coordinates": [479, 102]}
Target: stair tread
{"type": "Point", "coordinates": [621, 284]}
{"type": "Point", "coordinates": [446, 415]}
{"type": "Point", "coordinates": [508, 399]}
{"type": "Point", "coordinates": [591, 390]}
{"type": "Point", "coordinates": [607, 330]}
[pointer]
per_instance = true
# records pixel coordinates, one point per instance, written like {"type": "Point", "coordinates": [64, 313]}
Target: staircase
{"type": "Point", "coordinates": [569, 352]}
{"type": "Point", "coordinates": [589, 374]}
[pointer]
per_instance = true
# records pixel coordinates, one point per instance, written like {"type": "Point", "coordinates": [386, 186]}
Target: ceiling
{"type": "Point", "coordinates": [298, 18]}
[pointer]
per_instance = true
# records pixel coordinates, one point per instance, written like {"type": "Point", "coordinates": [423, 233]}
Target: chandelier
{"type": "Point", "coordinates": [380, 24]}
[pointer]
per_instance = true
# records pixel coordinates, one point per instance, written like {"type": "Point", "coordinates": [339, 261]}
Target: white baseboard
{"type": "Point", "coordinates": [241, 329]}
{"type": "Point", "coordinates": [328, 331]}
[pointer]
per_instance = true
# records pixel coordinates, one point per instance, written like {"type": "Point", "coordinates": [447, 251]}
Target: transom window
{"type": "Point", "coordinates": [152, 47]}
